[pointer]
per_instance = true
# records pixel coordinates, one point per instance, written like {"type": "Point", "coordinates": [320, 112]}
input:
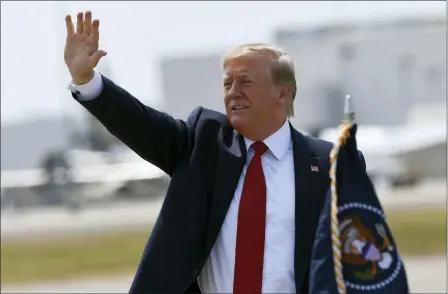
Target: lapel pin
{"type": "Point", "coordinates": [314, 168]}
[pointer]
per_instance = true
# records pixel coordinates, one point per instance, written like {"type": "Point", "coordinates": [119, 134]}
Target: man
{"type": "Point", "coordinates": [246, 188]}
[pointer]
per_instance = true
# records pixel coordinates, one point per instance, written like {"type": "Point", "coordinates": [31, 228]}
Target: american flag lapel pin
{"type": "Point", "coordinates": [314, 168]}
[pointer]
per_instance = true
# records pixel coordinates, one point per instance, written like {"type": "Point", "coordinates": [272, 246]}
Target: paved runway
{"type": "Point", "coordinates": [425, 275]}
{"type": "Point", "coordinates": [45, 222]}
{"type": "Point", "coordinates": [60, 222]}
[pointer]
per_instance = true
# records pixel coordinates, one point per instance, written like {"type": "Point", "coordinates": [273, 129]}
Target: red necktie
{"type": "Point", "coordinates": [251, 228]}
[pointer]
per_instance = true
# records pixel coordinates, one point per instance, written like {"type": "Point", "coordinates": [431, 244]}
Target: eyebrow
{"type": "Point", "coordinates": [238, 73]}
{"type": "Point", "coordinates": [241, 71]}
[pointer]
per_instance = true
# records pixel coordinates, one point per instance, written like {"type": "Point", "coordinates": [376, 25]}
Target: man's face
{"type": "Point", "coordinates": [250, 95]}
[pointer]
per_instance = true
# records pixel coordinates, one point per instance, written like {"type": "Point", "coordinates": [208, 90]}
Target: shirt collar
{"type": "Point", "coordinates": [278, 143]}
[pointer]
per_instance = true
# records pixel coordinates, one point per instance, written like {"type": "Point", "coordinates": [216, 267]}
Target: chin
{"type": "Point", "coordinates": [238, 122]}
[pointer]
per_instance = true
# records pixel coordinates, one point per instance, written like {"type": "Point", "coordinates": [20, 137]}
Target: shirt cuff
{"type": "Point", "coordinates": [90, 90]}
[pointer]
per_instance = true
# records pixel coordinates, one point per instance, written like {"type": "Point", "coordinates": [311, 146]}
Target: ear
{"type": "Point", "coordinates": [285, 95]}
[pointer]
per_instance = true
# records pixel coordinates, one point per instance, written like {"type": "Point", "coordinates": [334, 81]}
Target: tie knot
{"type": "Point", "coordinates": [259, 147]}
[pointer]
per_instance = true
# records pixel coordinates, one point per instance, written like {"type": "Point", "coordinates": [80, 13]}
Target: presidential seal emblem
{"type": "Point", "coordinates": [369, 256]}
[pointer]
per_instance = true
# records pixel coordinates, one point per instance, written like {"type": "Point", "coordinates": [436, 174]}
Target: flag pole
{"type": "Point", "coordinates": [348, 110]}
{"type": "Point", "coordinates": [347, 122]}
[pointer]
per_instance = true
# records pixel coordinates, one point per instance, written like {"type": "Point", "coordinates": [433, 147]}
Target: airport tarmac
{"type": "Point", "coordinates": [425, 275]}
{"type": "Point", "coordinates": [60, 222]}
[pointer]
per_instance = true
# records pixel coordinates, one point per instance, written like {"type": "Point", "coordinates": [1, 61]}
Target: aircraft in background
{"type": "Point", "coordinates": [83, 176]}
{"type": "Point", "coordinates": [404, 154]}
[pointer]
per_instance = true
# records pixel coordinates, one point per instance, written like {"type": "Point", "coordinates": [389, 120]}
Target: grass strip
{"type": "Point", "coordinates": [417, 232]}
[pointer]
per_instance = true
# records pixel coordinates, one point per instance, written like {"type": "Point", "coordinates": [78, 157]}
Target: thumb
{"type": "Point", "coordinates": [97, 56]}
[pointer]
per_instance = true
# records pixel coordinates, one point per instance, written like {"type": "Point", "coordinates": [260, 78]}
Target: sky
{"type": "Point", "coordinates": [34, 78]}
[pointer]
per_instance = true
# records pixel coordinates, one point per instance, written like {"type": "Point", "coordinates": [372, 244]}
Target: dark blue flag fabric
{"type": "Point", "coordinates": [354, 251]}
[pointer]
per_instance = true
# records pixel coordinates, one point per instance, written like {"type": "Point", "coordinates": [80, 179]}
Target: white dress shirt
{"type": "Point", "coordinates": [278, 167]}
{"type": "Point", "coordinates": [90, 90]}
{"type": "Point", "coordinates": [278, 269]}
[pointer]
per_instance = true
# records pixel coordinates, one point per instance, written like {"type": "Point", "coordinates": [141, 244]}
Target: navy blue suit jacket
{"type": "Point", "coordinates": [204, 157]}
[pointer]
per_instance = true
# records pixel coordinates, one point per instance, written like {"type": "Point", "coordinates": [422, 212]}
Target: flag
{"type": "Point", "coordinates": [354, 251]}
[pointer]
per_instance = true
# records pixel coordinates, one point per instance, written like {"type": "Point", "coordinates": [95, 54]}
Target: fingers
{"type": "Point", "coordinates": [84, 25]}
{"type": "Point", "coordinates": [79, 22]}
{"type": "Point", "coordinates": [95, 32]}
{"type": "Point", "coordinates": [87, 23]}
{"type": "Point", "coordinates": [69, 25]}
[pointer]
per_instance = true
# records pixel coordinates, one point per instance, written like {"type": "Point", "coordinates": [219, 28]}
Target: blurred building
{"type": "Point", "coordinates": [189, 82]}
{"type": "Point", "coordinates": [26, 144]}
{"type": "Point", "coordinates": [387, 67]}
{"type": "Point", "coordinates": [52, 135]}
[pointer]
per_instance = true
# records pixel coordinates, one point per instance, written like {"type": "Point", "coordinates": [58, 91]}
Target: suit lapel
{"type": "Point", "coordinates": [310, 182]}
{"type": "Point", "coordinates": [309, 187]}
{"type": "Point", "coordinates": [231, 160]}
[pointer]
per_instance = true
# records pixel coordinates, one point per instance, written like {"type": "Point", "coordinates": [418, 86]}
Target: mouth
{"type": "Point", "coordinates": [239, 107]}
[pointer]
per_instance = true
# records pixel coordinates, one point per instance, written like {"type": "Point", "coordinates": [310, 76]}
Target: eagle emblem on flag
{"type": "Point", "coordinates": [368, 256]}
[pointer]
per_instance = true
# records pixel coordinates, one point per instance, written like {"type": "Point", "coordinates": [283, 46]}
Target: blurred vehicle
{"type": "Point", "coordinates": [96, 169]}
{"type": "Point", "coordinates": [406, 154]}
{"type": "Point", "coordinates": [400, 155]}
{"type": "Point", "coordinates": [79, 177]}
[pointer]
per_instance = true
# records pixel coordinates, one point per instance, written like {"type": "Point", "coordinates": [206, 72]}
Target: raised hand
{"type": "Point", "coordinates": [81, 52]}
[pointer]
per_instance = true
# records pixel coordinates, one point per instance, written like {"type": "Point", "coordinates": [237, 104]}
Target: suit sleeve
{"type": "Point", "coordinates": [156, 136]}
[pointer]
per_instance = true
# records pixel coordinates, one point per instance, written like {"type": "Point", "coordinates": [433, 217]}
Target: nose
{"type": "Point", "coordinates": [234, 90]}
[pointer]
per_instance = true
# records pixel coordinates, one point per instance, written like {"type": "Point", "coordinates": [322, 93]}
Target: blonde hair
{"type": "Point", "coordinates": [282, 69]}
